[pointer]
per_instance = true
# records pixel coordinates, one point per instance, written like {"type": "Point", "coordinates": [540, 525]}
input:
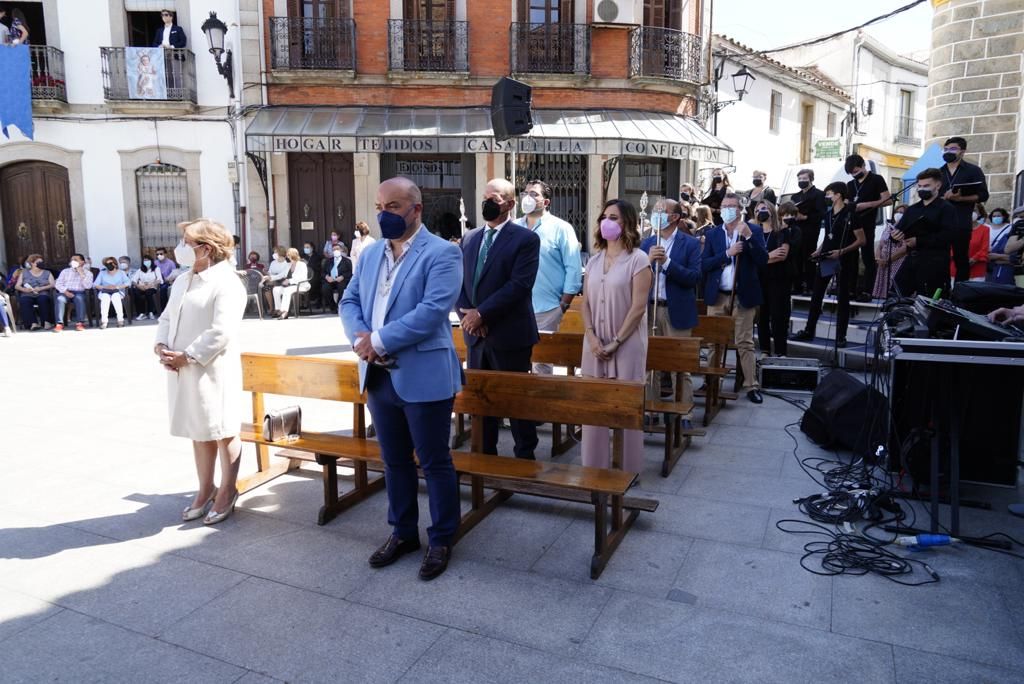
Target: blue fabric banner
{"type": "Point", "coordinates": [16, 102]}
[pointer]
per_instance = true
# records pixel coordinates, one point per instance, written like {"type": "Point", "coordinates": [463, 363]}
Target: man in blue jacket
{"type": "Point", "coordinates": [395, 313]}
{"type": "Point", "coordinates": [500, 261]}
{"type": "Point", "coordinates": [675, 258]}
{"type": "Point", "coordinates": [733, 253]}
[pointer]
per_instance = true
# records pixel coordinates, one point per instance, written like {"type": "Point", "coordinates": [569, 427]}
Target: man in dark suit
{"type": "Point", "coordinates": [928, 229]}
{"type": "Point", "coordinates": [963, 186]}
{"type": "Point", "coordinates": [675, 258]}
{"type": "Point", "coordinates": [337, 272]}
{"type": "Point", "coordinates": [733, 253]}
{"type": "Point", "coordinates": [811, 207]}
{"type": "Point", "coordinates": [500, 261]}
{"type": "Point", "coordinates": [170, 35]}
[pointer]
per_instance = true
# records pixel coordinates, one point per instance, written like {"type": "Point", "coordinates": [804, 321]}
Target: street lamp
{"type": "Point", "coordinates": [215, 31]}
{"type": "Point", "coordinates": [741, 81]}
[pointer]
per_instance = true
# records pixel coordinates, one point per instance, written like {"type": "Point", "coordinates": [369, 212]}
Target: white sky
{"type": "Point", "coordinates": [762, 24]}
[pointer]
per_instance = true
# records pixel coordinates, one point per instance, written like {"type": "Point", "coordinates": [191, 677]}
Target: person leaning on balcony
{"type": "Point", "coordinates": [18, 33]}
{"type": "Point", "coordinates": [170, 35]}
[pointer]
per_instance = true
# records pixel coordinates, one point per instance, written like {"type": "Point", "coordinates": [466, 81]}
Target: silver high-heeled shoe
{"type": "Point", "coordinates": [212, 518]}
{"type": "Point", "coordinates": [190, 514]}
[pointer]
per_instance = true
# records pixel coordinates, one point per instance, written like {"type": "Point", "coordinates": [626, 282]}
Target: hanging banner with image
{"type": "Point", "coordinates": [16, 101]}
{"type": "Point", "coordinates": [144, 68]}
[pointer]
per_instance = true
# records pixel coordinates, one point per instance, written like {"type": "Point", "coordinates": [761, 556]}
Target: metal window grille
{"type": "Point", "coordinates": [643, 176]}
{"type": "Point", "coordinates": [163, 204]}
{"type": "Point", "coordinates": [567, 176]}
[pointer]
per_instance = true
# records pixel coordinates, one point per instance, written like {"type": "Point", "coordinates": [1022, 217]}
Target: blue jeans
{"type": "Point", "coordinates": [4, 323]}
{"type": "Point", "coordinates": [27, 304]}
{"type": "Point", "coordinates": [424, 427]}
{"type": "Point", "coordinates": [79, 299]}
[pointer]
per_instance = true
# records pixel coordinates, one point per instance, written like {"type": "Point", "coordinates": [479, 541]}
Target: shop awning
{"type": "Point", "coordinates": [613, 132]}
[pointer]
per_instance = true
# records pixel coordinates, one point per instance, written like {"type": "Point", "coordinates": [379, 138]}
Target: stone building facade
{"type": "Point", "coordinates": [974, 87]}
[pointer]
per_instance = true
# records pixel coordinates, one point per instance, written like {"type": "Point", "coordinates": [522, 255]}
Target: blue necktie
{"type": "Point", "coordinates": [481, 259]}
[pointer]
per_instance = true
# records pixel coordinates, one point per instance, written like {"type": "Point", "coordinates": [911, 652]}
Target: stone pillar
{"type": "Point", "coordinates": [974, 85]}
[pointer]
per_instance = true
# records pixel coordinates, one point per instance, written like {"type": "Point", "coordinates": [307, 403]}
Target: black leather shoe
{"type": "Point", "coordinates": [393, 549]}
{"type": "Point", "coordinates": [435, 562]}
{"type": "Point", "coordinates": [841, 343]}
{"type": "Point", "coordinates": [802, 336]}
{"type": "Point", "coordinates": [755, 396]}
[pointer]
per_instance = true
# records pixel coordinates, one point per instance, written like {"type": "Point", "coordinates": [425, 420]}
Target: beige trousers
{"type": "Point", "coordinates": [744, 320]}
{"type": "Point", "coordinates": [547, 322]}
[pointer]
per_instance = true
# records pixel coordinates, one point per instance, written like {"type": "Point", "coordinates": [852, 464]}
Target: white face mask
{"type": "Point", "coordinates": [528, 204]}
{"type": "Point", "coordinates": [337, 254]}
{"type": "Point", "coordinates": [75, 263]}
{"type": "Point", "coordinates": [184, 255]}
{"type": "Point", "coordinates": [124, 267]}
{"type": "Point", "coordinates": [159, 257]}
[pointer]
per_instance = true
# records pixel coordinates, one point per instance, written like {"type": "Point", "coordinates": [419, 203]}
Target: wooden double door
{"type": "Point", "coordinates": [36, 209]}
{"type": "Point", "coordinates": [321, 189]}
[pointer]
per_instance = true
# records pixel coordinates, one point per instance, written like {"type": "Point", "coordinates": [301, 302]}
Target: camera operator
{"type": "Point", "coordinates": [927, 230]}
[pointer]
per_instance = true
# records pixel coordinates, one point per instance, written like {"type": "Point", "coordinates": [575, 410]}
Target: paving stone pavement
{"type": "Point", "coordinates": [99, 581]}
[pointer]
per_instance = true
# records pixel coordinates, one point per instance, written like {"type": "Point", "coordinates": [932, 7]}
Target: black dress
{"type": "Point", "coordinates": [776, 287]}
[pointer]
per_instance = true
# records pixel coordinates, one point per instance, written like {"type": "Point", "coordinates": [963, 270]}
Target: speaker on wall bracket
{"type": "Point", "coordinates": [510, 108]}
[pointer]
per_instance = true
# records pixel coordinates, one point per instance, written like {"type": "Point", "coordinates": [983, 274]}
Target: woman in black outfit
{"type": "Point", "coordinates": [837, 257]}
{"type": "Point", "coordinates": [719, 186]}
{"type": "Point", "coordinates": [781, 238]}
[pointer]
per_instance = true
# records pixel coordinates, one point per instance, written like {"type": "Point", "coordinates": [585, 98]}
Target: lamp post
{"type": "Point", "coordinates": [742, 81]}
{"type": "Point", "coordinates": [216, 31]}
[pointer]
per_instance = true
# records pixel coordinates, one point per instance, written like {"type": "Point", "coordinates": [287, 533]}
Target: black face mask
{"type": "Point", "coordinates": [858, 174]}
{"type": "Point", "coordinates": [758, 182]}
{"type": "Point", "coordinates": [717, 179]}
{"type": "Point", "coordinates": [110, 267]}
{"type": "Point", "coordinates": [490, 209]}
{"type": "Point", "coordinates": [949, 157]}
{"type": "Point", "coordinates": [763, 216]}
{"type": "Point", "coordinates": [803, 185]}
{"type": "Point", "coordinates": [925, 194]}
{"type": "Point", "coordinates": [789, 220]}
{"type": "Point", "coordinates": [684, 196]}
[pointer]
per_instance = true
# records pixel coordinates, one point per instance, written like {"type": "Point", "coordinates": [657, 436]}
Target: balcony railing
{"type": "Point", "coordinates": [550, 48]}
{"type": "Point", "coordinates": [908, 130]}
{"type": "Point", "coordinates": [48, 73]}
{"type": "Point", "coordinates": [312, 43]}
{"type": "Point", "coordinates": [144, 83]}
{"type": "Point", "coordinates": [666, 53]}
{"type": "Point", "coordinates": [428, 45]}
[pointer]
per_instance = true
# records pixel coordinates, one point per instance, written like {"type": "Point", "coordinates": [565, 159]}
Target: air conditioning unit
{"type": "Point", "coordinates": [618, 12]}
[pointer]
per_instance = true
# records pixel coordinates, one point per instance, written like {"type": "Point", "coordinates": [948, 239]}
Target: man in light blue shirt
{"type": "Point", "coordinates": [560, 273]}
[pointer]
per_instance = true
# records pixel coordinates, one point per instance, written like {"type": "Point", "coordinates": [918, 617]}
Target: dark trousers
{"type": "Point", "coordinates": [27, 304]}
{"type": "Point", "coordinates": [423, 427]}
{"type": "Point", "coordinates": [846, 279]}
{"type": "Point", "coordinates": [329, 291]}
{"type": "Point", "coordinates": [145, 301]}
{"type": "Point", "coordinates": [808, 243]}
{"type": "Point", "coordinates": [484, 357]}
{"type": "Point", "coordinates": [165, 292]}
{"type": "Point", "coordinates": [773, 317]}
{"type": "Point", "coordinates": [867, 255]}
{"type": "Point", "coordinates": [961, 257]}
{"type": "Point", "coordinates": [923, 274]}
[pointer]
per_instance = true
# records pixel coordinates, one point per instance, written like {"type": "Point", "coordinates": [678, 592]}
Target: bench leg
{"type": "Point", "coordinates": [481, 506]}
{"type": "Point", "coordinates": [676, 442]}
{"type": "Point", "coordinates": [267, 470]}
{"type": "Point", "coordinates": [363, 487]}
{"type": "Point", "coordinates": [573, 434]}
{"type": "Point", "coordinates": [605, 543]}
{"type": "Point", "coordinates": [461, 433]}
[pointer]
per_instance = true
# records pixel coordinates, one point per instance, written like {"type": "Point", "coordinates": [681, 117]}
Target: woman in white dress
{"type": "Point", "coordinates": [297, 281]}
{"type": "Point", "coordinates": [197, 342]}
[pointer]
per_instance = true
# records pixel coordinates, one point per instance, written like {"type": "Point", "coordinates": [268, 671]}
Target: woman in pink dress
{"type": "Point", "coordinates": [889, 256]}
{"type": "Point", "coordinates": [615, 293]}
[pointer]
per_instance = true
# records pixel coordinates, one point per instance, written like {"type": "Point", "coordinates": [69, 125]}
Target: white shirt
{"type": "Point", "coordinates": [660, 270]}
{"type": "Point", "coordinates": [359, 244]}
{"type": "Point", "coordinates": [278, 270]}
{"type": "Point", "coordinates": [166, 42]}
{"type": "Point", "coordinates": [728, 270]}
{"type": "Point", "coordinates": [153, 276]}
{"type": "Point", "coordinates": [387, 275]}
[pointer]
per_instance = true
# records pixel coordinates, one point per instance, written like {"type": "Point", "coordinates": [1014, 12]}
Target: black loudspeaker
{"type": "Point", "coordinates": [510, 108]}
{"type": "Point", "coordinates": [847, 413]}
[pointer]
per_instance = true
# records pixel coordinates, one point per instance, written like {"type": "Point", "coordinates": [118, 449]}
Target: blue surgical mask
{"type": "Point", "coordinates": [659, 220]}
{"type": "Point", "coordinates": [307, 250]}
{"type": "Point", "coordinates": [997, 220]}
{"type": "Point", "coordinates": [392, 226]}
{"type": "Point", "coordinates": [729, 214]}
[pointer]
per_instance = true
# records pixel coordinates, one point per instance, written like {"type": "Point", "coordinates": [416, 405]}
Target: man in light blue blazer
{"type": "Point", "coordinates": [395, 313]}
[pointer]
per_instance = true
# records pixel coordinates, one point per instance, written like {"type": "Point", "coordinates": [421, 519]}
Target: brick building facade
{"type": "Point", "coordinates": [363, 90]}
{"type": "Point", "coordinates": [974, 87]}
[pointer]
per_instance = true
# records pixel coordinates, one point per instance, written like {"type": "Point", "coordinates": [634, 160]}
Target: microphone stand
{"type": "Point", "coordinates": [889, 282]}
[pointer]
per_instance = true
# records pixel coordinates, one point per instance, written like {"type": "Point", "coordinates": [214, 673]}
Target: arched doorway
{"type": "Point", "coordinates": [36, 209]}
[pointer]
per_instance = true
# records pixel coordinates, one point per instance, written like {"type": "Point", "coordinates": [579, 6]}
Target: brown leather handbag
{"type": "Point", "coordinates": [283, 424]}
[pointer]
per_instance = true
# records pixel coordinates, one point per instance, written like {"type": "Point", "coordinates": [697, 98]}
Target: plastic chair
{"type": "Point", "coordinates": [251, 280]}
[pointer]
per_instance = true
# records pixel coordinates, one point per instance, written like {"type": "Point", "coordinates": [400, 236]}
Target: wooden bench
{"type": "Point", "coordinates": [616, 405]}
{"type": "Point", "coordinates": [719, 334]}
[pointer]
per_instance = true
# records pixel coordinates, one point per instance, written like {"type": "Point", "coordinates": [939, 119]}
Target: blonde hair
{"type": "Point", "coordinates": [293, 254]}
{"type": "Point", "coordinates": [208, 232]}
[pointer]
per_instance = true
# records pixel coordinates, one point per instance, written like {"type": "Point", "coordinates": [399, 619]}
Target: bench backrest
{"type": "Point", "coordinates": [716, 329]}
{"type": "Point", "coordinates": [302, 376]}
{"type": "Point", "coordinates": [553, 399]}
{"type": "Point", "coordinates": [559, 349]}
{"type": "Point", "coordinates": [460, 343]}
{"type": "Point", "coordinates": [572, 322]}
{"type": "Point", "coordinates": [673, 354]}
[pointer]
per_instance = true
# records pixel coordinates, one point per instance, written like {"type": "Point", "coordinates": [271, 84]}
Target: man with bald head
{"type": "Point", "coordinates": [500, 261]}
{"type": "Point", "coordinates": [395, 314]}
{"type": "Point", "coordinates": [675, 258]}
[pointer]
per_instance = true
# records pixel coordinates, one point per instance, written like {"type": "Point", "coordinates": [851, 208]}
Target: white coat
{"type": "Point", "coordinates": [202, 318]}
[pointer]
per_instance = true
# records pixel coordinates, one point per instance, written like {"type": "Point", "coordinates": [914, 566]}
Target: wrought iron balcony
{"type": "Point", "coordinates": [550, 48]}
{"type": "Point", "coordinates": [48, 73]}
{"type": "Point", "coordinates": [666, 53]}
{"type": "Point", "coordinates": [428, 45]}
{"type": "Point", "coordinates": [312, 43]}
{"type": "Point", "coordinates": [908, 130]}
{"type": "Point", "coordinates": [163, 74]}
